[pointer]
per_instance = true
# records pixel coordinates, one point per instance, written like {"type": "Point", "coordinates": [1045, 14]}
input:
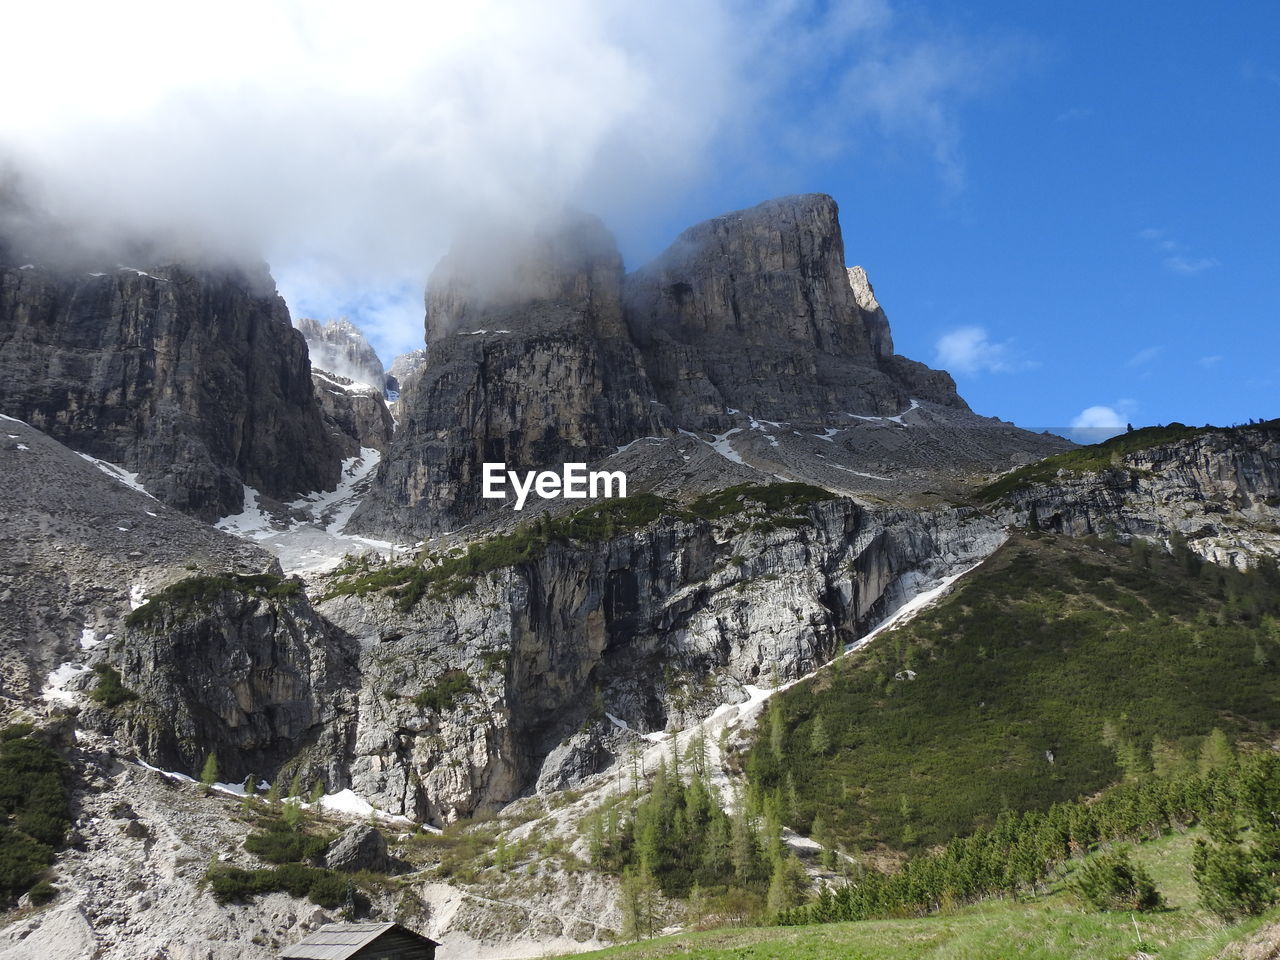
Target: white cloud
{"type": "Point", "coordinates": [1176, 262]}
{"type": "Point", "coordinates": [1210, 361]}
{"type": "Point", "coordinates": [347, 144]}
{"type": "Point", "coordinates": [1144, 356]}
{"type": "Point", "coordinates": [1191, 265]}
{"type": "Point", "coordinates": [968, 350]}
{"type": "Point", "coordinates": [1094, 424]}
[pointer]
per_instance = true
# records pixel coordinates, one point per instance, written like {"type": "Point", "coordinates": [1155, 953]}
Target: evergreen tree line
{"type": "Point", "coordinates": [1237, 869]}
{"type": "Point", "coordinates": [679, 840]}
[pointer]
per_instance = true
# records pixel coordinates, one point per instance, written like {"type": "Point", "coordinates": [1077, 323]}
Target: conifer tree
{"type": "Point", "coordinates": [209, 774]}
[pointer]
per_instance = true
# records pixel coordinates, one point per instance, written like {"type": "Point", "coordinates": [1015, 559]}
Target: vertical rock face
{"type": "Point", "coordinates": [251, 675]}
{"type": "Point", "coordinates": [356, 412]}
{"type": "Point", "coordinates": [529, 364]}
{"type": "Point", "coordinates": [350, 385]}
{"type": "Point", "coordinates": [756, 311]}
{"type": "Point", "coordinates": [192, 377]}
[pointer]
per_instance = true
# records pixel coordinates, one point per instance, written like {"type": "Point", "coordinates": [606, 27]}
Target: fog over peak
{"type": "Point", "coordinates": [347, 145]}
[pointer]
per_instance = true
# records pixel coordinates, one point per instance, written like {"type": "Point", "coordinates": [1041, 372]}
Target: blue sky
{"type": "Point", "coordinates": [1072, 207]}
{"type": "Point", "coordinates": [1108, 236]}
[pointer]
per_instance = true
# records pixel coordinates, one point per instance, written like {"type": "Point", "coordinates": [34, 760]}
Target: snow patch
{"type": "Point", "coordinates": [142, 273]}
{"type": "Point", "coordinates": [55, 685]}
{"type": "Point", "coordinates": [352, 804]}
{"type": "Point", "coordinates": [89, 638]}
{"type": "Point", "coordinates": [316, 542]}
{"type": "Point", "coordinates": [627, 446]}
{"type": "Point", "coordinates": [137, 596]}
{"type": "Point", "coordinates": [724, 446]}
{"type": "Point", "coordinates": [23, 446]}
{"type": "Point", "coordinates": [897, 418]}
{"type": "Point", "coordinates": [355, 386]}
{"type": "Point", "coordinates": [859, 473]}
{"type": "Point", "coordinates": [118, 473]}
{"type": "Point", "coordinates": [250, 523]}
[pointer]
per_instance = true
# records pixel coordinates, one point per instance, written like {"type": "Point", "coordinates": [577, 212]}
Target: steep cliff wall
{"type": "Point", "coordinates": [191, 377]}
{"type": "Point", "coordinates": [237, 666]}
{"type": "Point", "coordinates": [529, 365]}
{"type": "Point", "coordinates": [467, 692]}
{"type": "Point", "coordinates": [756, 311]}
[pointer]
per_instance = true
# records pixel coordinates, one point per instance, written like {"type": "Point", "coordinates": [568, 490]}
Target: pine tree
{"type": "Point", "coordinates": [1227, 873]}
{"type": "Point", "coordinates": [639, 904]}
{"type": "Point", "coordinates": [777, 731]}
{"type": "Point", "coordinates": [250, 792]}
{"type": "Point", "coordinates": [819, 742]}
{"type": "Point", "coordinates": [209, 775]}
{"type": "Point", "coordinates": [1215, 752]}
{"type": "Point", "coordinates": [317, 793]}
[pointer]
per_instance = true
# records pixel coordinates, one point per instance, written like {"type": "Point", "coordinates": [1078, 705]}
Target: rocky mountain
{"type": "Point", "coordinates": [190, 376]}
{"type": "Point", "coordinates": [356, 413]}
{"type": "Point", "coordinates": [530, 364]}
{"type": "Point", "coordinates": [755, 311]}
{"type": "Point", "coordinates": [749, 334]}
{"type": "Point", "coordinates": [338, 346]}
{"type": "Point", "coordinates": [350, 385]}
{"type": "Point", "coordinates": [80, 545]}
{"type": "Point", "coordinates": [403, 369]}
{"type": "Point", "coordinates": [432, 664]}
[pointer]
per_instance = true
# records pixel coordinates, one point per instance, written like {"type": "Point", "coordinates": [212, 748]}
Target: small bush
{"type": "Point", "coordinates": [329, 891]}
{"type": "Point", "coordinates": [110, 690]}
{"type": "Point", "coordinates": [42, 893]}
{"type": "Point", "coordinates": [444, 693]}
{"type": "Point", "coordinates": [16, 731]}
{"type": "Point", "coordinates": [1112, 881]}
{"type": "Point", "coordinates": [281, 844]}
{"type": "Point", "coordinates": [22, 861]}
{"type": "Point", "coordinates": [237, 885]}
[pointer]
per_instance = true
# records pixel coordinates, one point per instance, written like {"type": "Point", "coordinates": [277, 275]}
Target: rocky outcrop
{"type": "Point", "coordinates": [529, 365]}
{"type": "Point", "coordinates": [339, 347]}
{"type": "Point", "coordinates": [240, 667]}
{"type": "Point", "coordinates": [356, 412]}
{"type": "Point", "coordinates": [467, 698]}
{"type": "Point", "coordinates": [80, 545]}
{"type": "Point", "coordinates": [360, 847]}
{"type": "Point", "coordinates": [404, 369]}
{"type": "Point", "coordinates": [755, 311]}
{"type": "Point", "coordinates": [1217, 489]}
{"type": "Point", "coordinates": [190, 376]}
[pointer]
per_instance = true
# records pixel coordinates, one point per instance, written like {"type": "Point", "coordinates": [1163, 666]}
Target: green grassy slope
{"type": "Point", "coordinates": [1102, 656]}
{"type": "Point", "coordinates": [1052, 927]}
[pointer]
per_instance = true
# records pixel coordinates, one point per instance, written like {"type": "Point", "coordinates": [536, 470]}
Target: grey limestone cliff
{"type": "Point", "coordinates": [755, 311]}
{"type": "Point", "coordinates": [529, 364]}
{"type": "Point", "coordinates": [1217, 489]}
{"type": "Point", "coordinates": [338, 346]}
{"type": "Point", "coordinates": [468, 696]}
{"type": "Point", "coordinates": [190, 376]}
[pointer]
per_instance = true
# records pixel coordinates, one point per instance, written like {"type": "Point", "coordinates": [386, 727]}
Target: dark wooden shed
{"type": "Point", "coordinates": [362, 941]}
